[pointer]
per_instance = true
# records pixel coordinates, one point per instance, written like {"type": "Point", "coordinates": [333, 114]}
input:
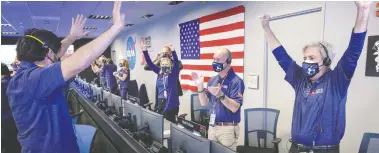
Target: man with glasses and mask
{"type": "Point", "coordinates": [319, 114]}
{"type": "Point", "coordinates": [35, 92]}
{"type": "Point", "coordinates": [225, 94]}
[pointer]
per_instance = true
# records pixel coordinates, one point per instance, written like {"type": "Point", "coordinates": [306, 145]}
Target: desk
{"type": "Point", "coordinates": [121, 141]}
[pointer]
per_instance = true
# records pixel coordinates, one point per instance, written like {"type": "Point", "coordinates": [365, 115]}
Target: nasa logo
{"type": "Point", "coordinates": [131, 52]}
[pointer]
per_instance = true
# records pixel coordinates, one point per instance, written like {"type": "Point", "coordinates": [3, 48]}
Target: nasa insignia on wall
{"type": "Point", "coordinates": [372, 61]}
{"type": "Point", "coordinates": [131, 52]}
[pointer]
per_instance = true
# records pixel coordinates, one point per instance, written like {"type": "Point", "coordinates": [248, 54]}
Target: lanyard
{"type": "Point", "coordinates": [222, 84]}
{"type": "Point", "coordinates": [164, 81]}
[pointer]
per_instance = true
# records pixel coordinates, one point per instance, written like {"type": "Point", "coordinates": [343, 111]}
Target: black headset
{"type": "Point", "coordinates": [45, 45]}
{"type": "Point", "coordinates": [327, 61]}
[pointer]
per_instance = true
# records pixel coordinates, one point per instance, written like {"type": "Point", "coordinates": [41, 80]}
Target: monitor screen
{"type": "Point", "coordinates": [155, 122]}
{"type": "Point", "coordinates": [184, 139]}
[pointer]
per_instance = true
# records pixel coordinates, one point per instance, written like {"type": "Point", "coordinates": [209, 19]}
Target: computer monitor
{"type": "Point", "coordinates": [155, 122]}
{"type": "Point", "coordinates": [182, 138]}
{"type": "Point", "coordinates": [219, 148]}
{"type": "Point", "coordinates": [199, 114]}
{"type": "Point", "coordinates": [107, 95]}
{"type": "Point", "coordinates": [133, 109]}
{"type": "Point", "coordinates": [116, 100]}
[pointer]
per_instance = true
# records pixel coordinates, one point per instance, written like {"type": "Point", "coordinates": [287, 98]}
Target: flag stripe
{"type": "Point", "coordinates": [232, 48]}
{"type": "Point", "coordinates": [223, 35]}
{"type": "Point", "coordinates": [237, 69]}
{"type": "Point", "coordinates": [235, 55]}
{"type": "Point", "coordinates": [222, 14]}
{"type": "Point", "coordinates": [229, 41]}
{"type": "Point", "coordinates": [235, 62]}
{"type": "Point", "coordinates": [219, 29]}
{"type": "Point", "coordinates": [223, 21]}
{"type": "Point", "coordinates": [204, 73]}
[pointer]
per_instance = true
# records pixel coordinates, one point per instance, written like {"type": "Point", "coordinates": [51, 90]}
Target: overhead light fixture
{"type": "Point", "coordinates": [129, 25]}
{"type": "Point", "coordinates": [99, 17]}
{"type": "Point", "coordinates": [147, 16]}
{"type": "Point", "coordinates": [6, 25]}
{"type": "Point", "coordinates": [9, 33]}
{"type": "Point", "coordinates": [175, 2]}
{"type": "Point", "coordinates": [90, 28]}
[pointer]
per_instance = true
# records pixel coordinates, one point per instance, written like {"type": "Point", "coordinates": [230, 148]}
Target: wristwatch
{"type": "Point", "coordinates": [222, 96]}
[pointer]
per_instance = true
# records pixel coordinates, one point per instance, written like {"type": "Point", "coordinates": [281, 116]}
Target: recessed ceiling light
{"type": "Point", "coordinates": [129, 25]}
{"type": "Point", "coordinates": [90, 28]}
{"type": "Point", "coordinates": [175, 2]}
{"type": "Point", "coordinates": [147, 16]}
{"type": "Point", "coordinates": [99, 17]}
{"type": "Point", "coordinates": [6, 25]}
{"type": "Point", "coordinates": [9, 33]}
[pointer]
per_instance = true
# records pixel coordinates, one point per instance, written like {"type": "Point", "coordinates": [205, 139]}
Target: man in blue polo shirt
{"type": "Point", "coordinates": [109, 69]}
{"type": "Point", "coordinates": [225, 95]}
{"type": "Point", "coordinates": [319, 115]}
{"type": "Point", "coordinates": [35, 92]}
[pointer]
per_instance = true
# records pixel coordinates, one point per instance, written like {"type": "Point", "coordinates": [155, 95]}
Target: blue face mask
{"type": "Point", "coordinates": [218, 67]}
{"type": "Point", "coordinates": [310, 69]}
{"type": "Point", "coordinates": [164, 69]}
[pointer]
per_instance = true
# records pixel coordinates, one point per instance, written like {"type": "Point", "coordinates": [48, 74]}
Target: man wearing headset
{"type": "Point", "coordinates": [225, 94]}
{"type": "Point", "coordinates": [35, 92]}
{"type": "Point", "coordinates": [318, 122]}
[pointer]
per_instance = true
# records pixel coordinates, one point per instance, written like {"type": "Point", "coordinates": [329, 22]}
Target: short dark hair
{"type": "Point", "coordinates": [29, 49]}
{"type": "Point", "coordinates": [4, 69]}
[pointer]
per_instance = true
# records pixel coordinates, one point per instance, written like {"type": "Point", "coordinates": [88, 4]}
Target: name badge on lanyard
{"type": "Point", "coordinates": [164, 85]}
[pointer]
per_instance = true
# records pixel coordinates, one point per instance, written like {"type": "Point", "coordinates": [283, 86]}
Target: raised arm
{"type": "Point", "coordinates": [349, 60]}
{"type": "Point", "coordinates": [76, 33]}
{"type": "Point", "coordinates": [199, 82]}
{"type": "Point", "coordinates": [274, 45]}
{"type": "Point", "coordinates": [155, 61]}
{"type": "Point", "coordinates": [175, 67]}
{"type": "Point", "coordinates": [86, 54]}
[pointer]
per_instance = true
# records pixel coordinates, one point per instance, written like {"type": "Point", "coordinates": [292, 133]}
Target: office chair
{"type": "Point", "coordinates": [260, 131]}
{"type": "Point", "coordinates": [75, 117]}
{"type": "Point", "coordinates": [84, 137]}
{"type": "Point", "coordinates": [199, 114]}
{"type": "Point", "coordinates": [370, 143]}
{"type": "Point", "coordinates": [133, 88]}
{"type": "Point", "coordinates": [143, 98]}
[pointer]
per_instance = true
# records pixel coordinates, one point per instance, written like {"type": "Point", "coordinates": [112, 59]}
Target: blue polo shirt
{"type": "Point", "coordinates": [233, 87]}
{"type": "Point", "coordinates": [320, 108]}
{"type": "Point", "coordinates": [40, 109]}
{"type": "Point", "coordinates": [5, 109]}
{"type": "Point", "coordinates": [111, 80]}
{"type": "Point", "coordinates": [124, 84]}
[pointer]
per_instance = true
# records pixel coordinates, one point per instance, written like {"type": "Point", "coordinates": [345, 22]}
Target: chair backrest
{"type": "Point", "coordinates": [370, 143]}
{"type": "Point", "coordinates": [260, 127]}
{"type": "Point", "coordinates": [198, 112]}
{"type": "Point", "coordinates": [84, 137]}
{"type": "Point", "coordinates": [133, 88]}
{"type": "Point", "coordinates": [142, 95]}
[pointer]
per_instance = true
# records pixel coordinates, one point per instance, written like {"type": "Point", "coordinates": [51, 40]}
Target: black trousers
{"type": "Point", "coordinates": [9, 142]}
{"type": "Point", "coordinates": [169, 114]}
{"type": "Point", "coordinates": [294, 149]}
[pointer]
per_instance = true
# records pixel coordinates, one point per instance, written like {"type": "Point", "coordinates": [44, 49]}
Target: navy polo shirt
{"type": "Point", "coordinates": [320, 108]}
{"type": "Point", "coordinates": [111, 80]}
{"type": "Point", "coordinates": [101, 73]}
{"type": "Point", "coordinates": [5, 109]}
{"type": "Point", "coordinates": [233, 87]}
{"type": "Point", "coordinates": [124, 84]}
{"type": "Point", "coordinates": [40, 109]}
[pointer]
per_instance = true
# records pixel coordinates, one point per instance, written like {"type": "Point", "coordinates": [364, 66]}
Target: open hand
{"type": "Point", "coordinates": [363, 4]}
{"type": "Point", "coordinates": [215, 90]}
{"type": "Point", "coordinates": [118, 17]}
{"type": "Point", "coordinates": [197, 78]}
{"type": "Point", "coordinates": [265, 20]}
{"type": "Point", "coordinates": [77, 26]}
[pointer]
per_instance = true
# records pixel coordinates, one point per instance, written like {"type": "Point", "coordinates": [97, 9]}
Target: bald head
{"type": "Point", "coordinates": [221, 55]}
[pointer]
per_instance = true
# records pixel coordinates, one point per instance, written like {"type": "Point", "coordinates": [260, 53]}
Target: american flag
{"type": "Point", "coordinates": [200, 38]}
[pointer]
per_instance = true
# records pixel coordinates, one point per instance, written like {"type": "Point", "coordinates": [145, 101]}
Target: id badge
{"type": "Point", "coordinates": [212, 119]}
{"type": "Point", "coordinates": [165, 94]}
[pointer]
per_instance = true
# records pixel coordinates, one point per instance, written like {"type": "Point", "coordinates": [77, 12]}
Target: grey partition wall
{"type": "Point", "coordinates": [219, 148]}
{"type": "Point", "coordinates": [96, 90]}
{"type": "Point", "coordinates": [182, 138]}
{"type": "Point", "coordinates": [134, 110]}
{"type": "Point", "coordinates": [116, 100]}
{"type": "Point", "coordinates": [155, 121]}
